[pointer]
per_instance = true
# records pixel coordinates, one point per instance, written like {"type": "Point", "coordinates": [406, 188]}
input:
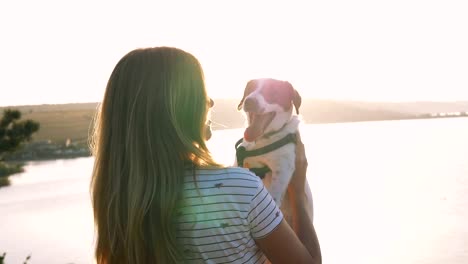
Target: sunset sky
{"type": "Point", "coordinates": [400, 50]}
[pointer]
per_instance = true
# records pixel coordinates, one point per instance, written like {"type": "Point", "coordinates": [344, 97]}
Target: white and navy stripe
{"type": "Point", "coordinates": [221, 213]}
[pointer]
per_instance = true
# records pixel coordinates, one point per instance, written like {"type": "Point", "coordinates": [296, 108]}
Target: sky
{"type": "Point", "coordinates": [54, 52]}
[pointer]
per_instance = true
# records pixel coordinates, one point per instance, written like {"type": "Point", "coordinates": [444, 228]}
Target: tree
{"type": "Point", "coordinates": [13, 131]}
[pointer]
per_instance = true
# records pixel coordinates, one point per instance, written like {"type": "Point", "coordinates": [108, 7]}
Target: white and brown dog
{"type": "Point", "coordinates": [269, 138]}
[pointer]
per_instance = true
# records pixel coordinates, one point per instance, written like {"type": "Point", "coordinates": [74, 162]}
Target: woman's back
{"type": "Point", "coordinates": [153, 121]}
{"type": "Point", "coordinates": [221, 212]}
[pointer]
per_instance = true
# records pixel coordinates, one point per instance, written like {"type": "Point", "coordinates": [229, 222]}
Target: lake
{"type": "Point", "coordinates": [384, 192]}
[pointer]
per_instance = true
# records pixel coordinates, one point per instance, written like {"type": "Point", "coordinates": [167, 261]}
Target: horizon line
{"type": "Point", "coordinates": [231, 98]}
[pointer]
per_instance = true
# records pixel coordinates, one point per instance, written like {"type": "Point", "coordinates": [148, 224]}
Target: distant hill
{"type": "Point", "coordinates": [416, 108]}
{"type": "Point", "coordinates": [312, 111]}
{"type": "Point", "coordinates": [61, 122]}
{"type": "Point", "coordinates": [74, 121]}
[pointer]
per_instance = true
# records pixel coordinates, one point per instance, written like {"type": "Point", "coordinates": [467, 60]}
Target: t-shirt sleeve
{"type": "Point", "coordinates": [264, 215]}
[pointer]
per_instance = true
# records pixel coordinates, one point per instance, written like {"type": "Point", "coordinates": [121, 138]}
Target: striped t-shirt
{"type": "Point", "coordinates": [222, 212]}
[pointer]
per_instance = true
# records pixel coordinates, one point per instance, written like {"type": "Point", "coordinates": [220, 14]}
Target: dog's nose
{"type": "Point", "coordinates": [250, 104]}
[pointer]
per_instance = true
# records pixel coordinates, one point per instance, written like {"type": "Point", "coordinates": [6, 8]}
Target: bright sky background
{"type": "Point", "coordinates": [64, 51]}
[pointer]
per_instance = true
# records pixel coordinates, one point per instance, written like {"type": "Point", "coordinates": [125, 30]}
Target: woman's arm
{"type": "Point", "coordinates": [282, 245]}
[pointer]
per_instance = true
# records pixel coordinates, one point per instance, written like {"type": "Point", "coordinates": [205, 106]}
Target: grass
{"type": "Point", "coordinates": [60, 122]}
{"type": "Point", "coordinates": [58, 126]}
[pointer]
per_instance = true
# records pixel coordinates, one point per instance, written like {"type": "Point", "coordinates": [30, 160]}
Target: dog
{"type": "Point", "coordinates": [270, 136]}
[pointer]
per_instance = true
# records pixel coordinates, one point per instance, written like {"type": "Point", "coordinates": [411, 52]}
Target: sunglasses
{"type": "Point", "coordinates": [211, 103]}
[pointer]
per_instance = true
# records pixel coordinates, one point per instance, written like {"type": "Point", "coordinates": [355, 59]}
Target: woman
{"type": "Point", "coordinates": [159, 197]}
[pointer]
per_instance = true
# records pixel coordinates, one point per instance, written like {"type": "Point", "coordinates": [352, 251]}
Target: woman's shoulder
{"type": "Point", "coordinates": [232, 175]}
{"type": "Point", "coordinates": [228, 172]}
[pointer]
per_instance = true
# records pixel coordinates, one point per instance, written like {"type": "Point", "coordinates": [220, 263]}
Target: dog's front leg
{"type": "Point", "coordinates": [281, 174]}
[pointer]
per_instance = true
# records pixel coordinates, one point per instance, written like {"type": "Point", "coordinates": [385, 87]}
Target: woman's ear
{"type": "Point", "coordinates": [207, 132]}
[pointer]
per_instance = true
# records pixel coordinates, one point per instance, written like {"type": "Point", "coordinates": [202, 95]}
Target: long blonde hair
{"type": "Point", "coordinates": [150, 125]}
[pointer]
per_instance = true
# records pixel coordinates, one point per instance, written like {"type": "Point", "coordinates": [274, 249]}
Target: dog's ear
{"type": "Point", "coordinates": [297, 100]}
{"type": "Point", "coordinates": [249, 88]}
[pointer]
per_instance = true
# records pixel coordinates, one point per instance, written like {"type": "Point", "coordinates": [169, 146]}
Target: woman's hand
{"type": "Point", "coordinates": [301, 245]}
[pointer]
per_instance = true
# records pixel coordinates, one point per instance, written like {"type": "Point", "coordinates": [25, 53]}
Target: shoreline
{"type": "Point", "coordinates": [47, 150]}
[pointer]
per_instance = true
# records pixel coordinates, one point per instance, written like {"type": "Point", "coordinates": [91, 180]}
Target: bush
{"type": "Point", "coordinates": [6, 170]}
{"type": "Point", "coordinates": [4, 181]}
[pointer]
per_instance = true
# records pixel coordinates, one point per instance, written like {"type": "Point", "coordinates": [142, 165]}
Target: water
{"type": "Point", "coordinates": [384, 192]}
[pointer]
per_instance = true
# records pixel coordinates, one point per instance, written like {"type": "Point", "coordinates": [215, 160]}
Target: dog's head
{"type": "Point", "coordinates": [268, 104]}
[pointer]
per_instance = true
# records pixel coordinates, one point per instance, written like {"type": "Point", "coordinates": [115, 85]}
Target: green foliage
{"type": "Point", "coordinates": [4, 181]}
{"type": "Point", "coordinates": [8, 169]}
{"type": "Point", "coordinates": [27, 259]}
{"type": "Point", "coordinates": [14, 131]}
{"type": "Point", "coordinates": [2, 259]}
